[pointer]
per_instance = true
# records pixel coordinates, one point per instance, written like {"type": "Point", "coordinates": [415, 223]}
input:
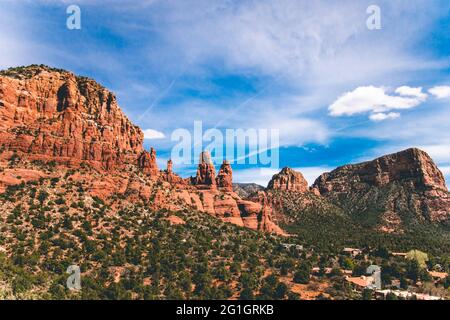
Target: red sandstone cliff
{"type": "Point", "coordinates": [54, 115]}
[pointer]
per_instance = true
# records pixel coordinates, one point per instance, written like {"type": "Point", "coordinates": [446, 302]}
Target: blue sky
{"type": "Point", "coordinates": [337, 91]}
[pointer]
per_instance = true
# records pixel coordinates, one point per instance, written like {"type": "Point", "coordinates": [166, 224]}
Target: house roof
{"type": "Point", "coordinates": [440, 275]}
{"type": "Point", "coordinates": [362, 281]}
{"type": "Point", "coordinates": [401, 254]}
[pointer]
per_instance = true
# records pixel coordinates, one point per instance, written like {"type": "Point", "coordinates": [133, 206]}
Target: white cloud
{"type": "Point", "coordinates": [376, 100]}
{"type": "Point", "coordinates": [312, 48]}
{"type": "Point", "coordinates": [153, 134]}
{"type": "Point", "coordinates": [440, 92]}
{"type": "Point", "coordinates": [283, 114]}
{"type": "Point", "coordinates": [384, 116]}
{"type": "Point", "coordinates": [411, 92]}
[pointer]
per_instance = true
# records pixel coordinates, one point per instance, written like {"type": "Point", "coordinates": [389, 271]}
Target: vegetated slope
{"type": "Point", "coordinates": [349, 212]}
{"type": "Point", "coordinates": [320, 223]}
{"type": "Point", "coordinates": [125, 250]}
{"type": "Point", "coordinates": [310, 217]}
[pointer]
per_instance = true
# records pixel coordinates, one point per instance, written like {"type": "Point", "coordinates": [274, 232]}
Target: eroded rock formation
{"type": "Point", "coordinates": [225, 177]}
{"type": "Point", "coordinates": [206, 173]}
{"type": "Point", "coordinates": [147, 162]}
{"type": "Point", "coordinates": [54, 116]}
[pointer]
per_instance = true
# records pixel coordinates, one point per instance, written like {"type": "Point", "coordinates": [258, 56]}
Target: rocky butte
{"type": "Point", "coordinates": [287, 192]}
{"type": "Point", "coordinates": [288, 180]}
{"type": "Point", "coordinates": [225, 177]}
{"type": "Point", "coordinates": [395, 185]}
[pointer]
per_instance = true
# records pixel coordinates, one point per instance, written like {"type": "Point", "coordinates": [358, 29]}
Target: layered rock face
{"type": "Point", "coordinates": [288, 180]}
{"type": "Point", "coordinates": [51, 114]}
{"type": "Point", "coordinates": [412, 167]}
{"type": "Point", "coordinates": [217, 198]}
{"type": "Point", "coordinates": [400, 183]}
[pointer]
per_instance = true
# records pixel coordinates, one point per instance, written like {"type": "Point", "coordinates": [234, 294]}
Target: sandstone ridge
{"type": "Point", "coordinates": [53, 116]}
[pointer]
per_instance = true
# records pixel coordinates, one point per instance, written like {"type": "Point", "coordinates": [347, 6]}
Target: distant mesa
{"type": "Point", "coordinates": [412, 166]}
{"type": "Point", "coordinates": [394, 185]}
{"type": "Point", "coordinates": [244, 190]}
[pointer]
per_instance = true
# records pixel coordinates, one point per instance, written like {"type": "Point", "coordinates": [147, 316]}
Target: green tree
{"type": "Point", "coordinates": [413, 270]}
{"type": "Point", "coordinates": [367, 294]}
{"type": "Point", "coordinates": [382, 252]}
{"type": "Point", "coordinates": [403, 283]}
{"type": "Point", "coordinates": [246, 294]}
{"type": "Point", "coordinates": [302, 275]}
{"type": "Point", "coordinates": [42, 196]}
{"type": "Point", "coordinates": [447, 282]}
{"type": "Point", "coordinates": [391, 296]}
{"type": "Point", "coordinates": [347, 263]}
{"type": "Point", "coordinates": [419, 256]}
{"type": "Point", "coordinates": [280, 291]}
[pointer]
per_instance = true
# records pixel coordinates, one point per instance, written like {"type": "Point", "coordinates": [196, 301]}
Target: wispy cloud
{"type": "Point", "coordinates": [384, 116]}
